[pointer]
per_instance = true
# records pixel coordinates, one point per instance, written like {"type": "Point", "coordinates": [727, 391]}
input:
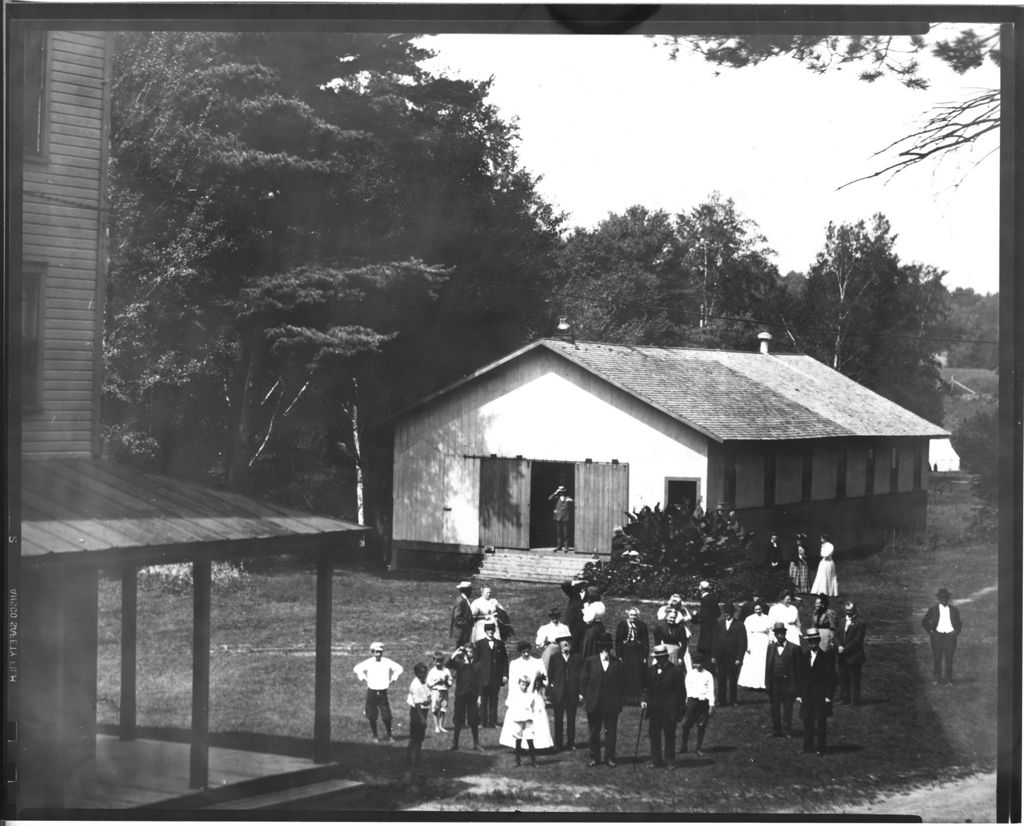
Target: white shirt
{"type": "Point", "coordinates": [944, 625]}
{"type": "Point", "coordinates": [700, 685]}
{"type": "Point", "coordinates": [593, 611]}
{"type": "Point", "coordinates": [419, 693]}
{"type": "Point", "coordinates": [547, 634]}
{"type": "Point", "coordinates": [378, 675]}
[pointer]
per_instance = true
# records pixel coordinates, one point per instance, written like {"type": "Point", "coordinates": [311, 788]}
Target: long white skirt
{"type": "Point", "coordinates": [825, 580]}
{"type": "Point", "coordinates": [541, 730]}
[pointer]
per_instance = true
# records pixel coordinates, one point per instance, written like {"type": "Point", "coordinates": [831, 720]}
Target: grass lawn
{"type": "Point", "coordinates": [906, 733]}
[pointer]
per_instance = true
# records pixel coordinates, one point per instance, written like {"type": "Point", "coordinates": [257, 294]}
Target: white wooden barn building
{"type": "Point", "coordinates": [789, 443]}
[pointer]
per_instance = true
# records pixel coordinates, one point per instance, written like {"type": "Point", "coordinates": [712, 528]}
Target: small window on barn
{"type": "Point", "coordinates": [35, 92]}
{"type": "Point", "coordinates": [32, 337]}
{"type": "Point", "coordinates": [806, 475]}
{"type": "Point", "coordinates": [894, 469]}
{"type": "Point", "coordinates": [869, 473]}
{"type": "Point", "coordinates": [841, 474]}
{"type": "Point", "coordinates": [729, 475]}
{"type": "Point", "coordinates": [769, 479]}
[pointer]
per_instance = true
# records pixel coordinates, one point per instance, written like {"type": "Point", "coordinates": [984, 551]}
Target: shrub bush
{"type": "Point", "coordinates": [176, 578]}
{"type": "Point", "coordinates": [658, 553]}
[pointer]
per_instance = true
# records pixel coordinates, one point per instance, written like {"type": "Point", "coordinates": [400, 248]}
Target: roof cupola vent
{"type": "Point", "coordinates": [764, 337]}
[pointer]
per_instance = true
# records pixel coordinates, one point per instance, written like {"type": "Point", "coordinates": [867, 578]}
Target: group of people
{"type": "Point", "coordinates": [575, 662]}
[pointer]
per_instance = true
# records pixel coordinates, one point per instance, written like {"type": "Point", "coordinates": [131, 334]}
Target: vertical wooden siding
{"type": "Point", "coordinates": [505, 502]}
{"type": "Point", "coordinates": [62, 226]}
{"type": "Point", "coordinates": [602, 499]}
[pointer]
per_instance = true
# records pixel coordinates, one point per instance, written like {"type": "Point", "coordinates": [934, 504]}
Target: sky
{"type": "Point", "coordinates": [611, 121]}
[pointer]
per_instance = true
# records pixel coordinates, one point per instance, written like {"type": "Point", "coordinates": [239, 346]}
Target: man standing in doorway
{"type": "Point", "coordinates": [563, 513]}
{"type": "Point", "coordinates": [942, 622]}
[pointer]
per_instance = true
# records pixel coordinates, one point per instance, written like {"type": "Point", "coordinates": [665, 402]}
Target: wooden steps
{"type": "Point", "coordinates": [537, 565]}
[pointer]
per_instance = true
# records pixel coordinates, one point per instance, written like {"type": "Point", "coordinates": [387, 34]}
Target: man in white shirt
{"type": "Point", "coordinates": [943, 624]}
{"type": "Point", "coordinates": [700, 702]}
{"type": "Point", "coordinates": [378, 672]}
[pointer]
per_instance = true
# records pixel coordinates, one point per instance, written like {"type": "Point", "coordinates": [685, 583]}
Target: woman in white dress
{"type": "Point", "coordinates": [786, 612]}
{"type": "Point", "coordinates": [759, 630]}
{"type": "Point", "coordinates": [825, 580]}
{"type": "Point", "coordinates": [526, 665]}
{"type": "Point", "coordinates": [483, 608]}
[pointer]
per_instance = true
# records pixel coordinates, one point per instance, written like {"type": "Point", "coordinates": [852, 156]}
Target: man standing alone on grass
{"type": "Point", "coordinates": [942, 622]}
{"type": "Point", "coordinates": [467, 690]}
{"type": "Point", "coordinates": [602, 692]}
{"type": "Point", "coordinates": [780, 676]}
{"type": "Point", "coordinates": [850, 648]}
{"type": "Point", "coordinates": [817, 686]}
{"type": "Point", "coordinates": [378, 673]}
{"type": "Point", "coordinates": [663, 699]}
{"type": "Point", "coordinates": [490, 653]}
{"type": "Point", "coordinates": [700, 702]}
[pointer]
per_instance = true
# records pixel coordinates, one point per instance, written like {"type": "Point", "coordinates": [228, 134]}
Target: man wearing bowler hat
{"type": "Point", "coordinates": [663, 699]}
{"type": "Point", "coordinates": [493, 658]}
{"type": "Point", "coordinates": [780, 677]}
{"type": "Point", "coordinates": [815, 690]}
{"type": "Point", "coordinates": [943, 624]}
{"type": "Point", "coordinates": [462, 614]}
{"type": "Point", "coordinates": [728, 650]}
{"type": "Point", "coordinates": [602, 692]}
{"type": "Point", "coordinates": [563, 691]}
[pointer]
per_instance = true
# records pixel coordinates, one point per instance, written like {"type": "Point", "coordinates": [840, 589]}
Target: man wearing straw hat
{"type": "Point", "coordinates": [462, 614]}
{"type": "Point", "coordinates": [816, 688]}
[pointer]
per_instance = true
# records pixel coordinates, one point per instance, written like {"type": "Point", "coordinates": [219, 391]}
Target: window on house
{"type": "Point", "coordinates": [35, 92]}
{"type": "Point", "coordinates": [31, 337]}
{"type": "Point", "coordinates": [729, 475]}
{"type": "Point", "coordinates": [841, 474]}
{"type": "Point", "coordinates": [869, 472]}
{"type": "Point", "coordinates": [894, 469]}
{"type": "Point", "coordinates": [769, 479]}
{"type": "Point", "coordinates": [806, 475]}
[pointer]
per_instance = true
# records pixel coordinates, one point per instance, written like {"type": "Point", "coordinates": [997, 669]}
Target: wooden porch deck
{"type": "Point", "coordinates": [129, 774]}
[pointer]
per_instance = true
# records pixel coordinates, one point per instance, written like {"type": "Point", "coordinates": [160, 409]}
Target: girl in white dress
{"type": "Point", "coordinates": [786, 612]}
{"type": "Point", "coordinates": [825, 580]}
{"type": "Point", "coordinates": [759, 630]}
{"type": "Point", "coordinates": [521, 704]}
{"type": "Point", "coordinates": [532, 669]}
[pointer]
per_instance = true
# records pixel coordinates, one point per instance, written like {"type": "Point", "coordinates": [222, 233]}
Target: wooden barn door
{"type": "Point", "coordinates": [505, 502]}
{"type": "Point", "coordinates": [602, 497]}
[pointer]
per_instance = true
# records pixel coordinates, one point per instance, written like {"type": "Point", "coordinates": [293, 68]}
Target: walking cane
{"type": "Point", "coordinates": [636, 751]}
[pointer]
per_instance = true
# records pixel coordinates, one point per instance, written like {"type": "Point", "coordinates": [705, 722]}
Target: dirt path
{"type": "Point", "coordinates": [968, 800]}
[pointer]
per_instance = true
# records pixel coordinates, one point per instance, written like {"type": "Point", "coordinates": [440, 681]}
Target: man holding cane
{"type": "Point", "coordinates": [663, 699]}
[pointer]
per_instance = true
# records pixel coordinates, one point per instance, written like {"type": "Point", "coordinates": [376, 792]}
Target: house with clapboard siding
{"type": "Point", "coordinates": [77, 515]}
{"type": "Point", "coordinates": [787, 442]}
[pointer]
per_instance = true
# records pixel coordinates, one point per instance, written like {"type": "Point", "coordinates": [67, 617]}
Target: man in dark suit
{"type": "Point", "coordinates": [490, 653]}
{"type": "Point", "coordinates": [727, 656]}
{"type": "Point", "coordinates": [462, 615]}
{"type": "Point", "coordinates": [708, 615]}
{"type": "Point", "coordinates": [816, 687]}
{"type": "Point", "coordinates": [849, 639]}
{"type": "Point", "coordinates": [780, 677]}
{"type": "Point", "coordinates": [943, 624]}
{"type": "Point", "coordinates": [563, 690]}
{"type": "Point", "coordinates": [573, 615]}
{"type": "Point", "coordinates": [602, 692]}
{"type": "Point", "coordinates": [467, 691]}
{"type": "Point", "coordinates": [663, 698]}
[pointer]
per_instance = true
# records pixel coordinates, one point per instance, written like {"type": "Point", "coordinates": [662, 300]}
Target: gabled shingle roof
{"type": "Point", "coordinates": [730, 395]}
{"type": "Point", "coordinates": [734, 395]}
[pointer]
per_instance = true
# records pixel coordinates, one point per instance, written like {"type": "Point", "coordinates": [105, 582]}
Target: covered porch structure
{"type": "Point", "coordinates": [81, 516]}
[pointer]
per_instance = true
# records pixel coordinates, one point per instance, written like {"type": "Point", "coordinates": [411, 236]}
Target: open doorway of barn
{"type": "Point", "coordinates": [545, 477]}
{"type": "Point", "coordinates": [682, 492]}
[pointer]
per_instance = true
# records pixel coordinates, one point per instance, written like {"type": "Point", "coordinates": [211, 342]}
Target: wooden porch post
{"type": "Point", "coordinates": [322, 690]}
{"type": "Point", "coordinates": [129, 648]}
{"type": "Point", "coordinates": [199, 754]}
